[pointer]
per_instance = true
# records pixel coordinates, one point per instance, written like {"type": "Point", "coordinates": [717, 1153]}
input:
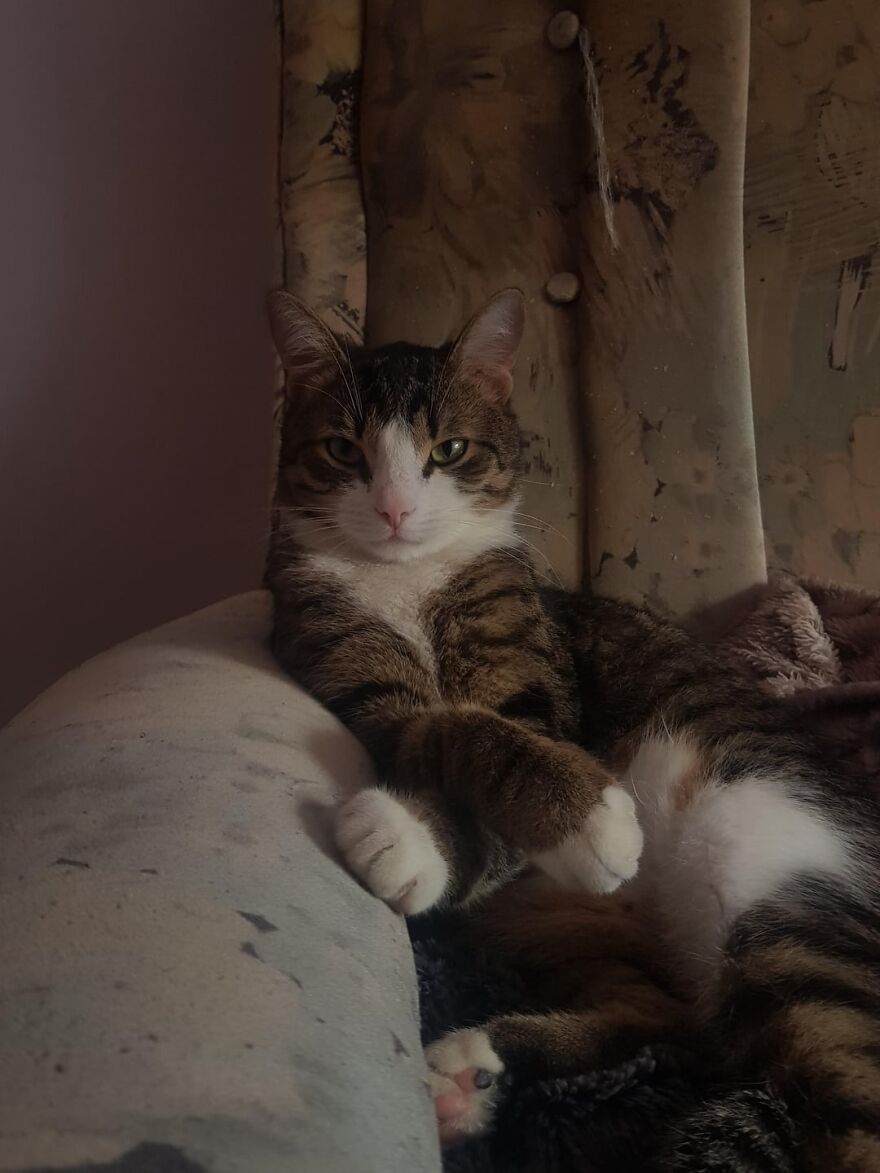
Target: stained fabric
{"type": "Point", "coordinates": [811, 204]}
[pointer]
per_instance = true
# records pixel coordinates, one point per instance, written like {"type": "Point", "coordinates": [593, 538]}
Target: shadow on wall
{"type": "Point", "coordinates": [136, 373]}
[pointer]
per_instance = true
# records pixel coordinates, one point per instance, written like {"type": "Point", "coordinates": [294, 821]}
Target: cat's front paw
{"type": "Point", "coordinates": [463, 1072]}
{"type": "Point", "coordinates": [391, 851]}
{"type": "Point", "coordinates": [604, 853]}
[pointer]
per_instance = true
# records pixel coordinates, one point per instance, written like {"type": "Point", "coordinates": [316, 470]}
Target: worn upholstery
{"type": "Point", "coordinates": [195, 983]}
{"type": "Point", "coordinates": [812, 227]}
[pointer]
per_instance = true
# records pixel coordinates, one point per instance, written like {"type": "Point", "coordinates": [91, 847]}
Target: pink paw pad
{"type": "Point", "coordinates": [453, 1100]}
{"type": "Point", "coordinates": [463, 1088]}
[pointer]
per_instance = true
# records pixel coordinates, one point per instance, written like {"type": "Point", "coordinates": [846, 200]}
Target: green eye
{"type": "Point", "coordinates": [449, 451]}
{"type": "Point", "coordinates": [343, 450]}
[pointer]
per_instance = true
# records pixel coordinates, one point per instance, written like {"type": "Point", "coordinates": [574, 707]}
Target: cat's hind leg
{"type": "Point", "coordinates": [463, 1074]}
{"type": "Point", "coordinates": [466, 1065]}
{"type": "Point", "coordinates": [589, 959]}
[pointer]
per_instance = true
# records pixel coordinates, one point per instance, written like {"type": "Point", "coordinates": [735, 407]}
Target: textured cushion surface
{"type": "Point", "coordinates": [185, 965]}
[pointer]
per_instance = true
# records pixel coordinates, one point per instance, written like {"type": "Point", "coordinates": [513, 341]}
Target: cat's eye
{"type": "Point", "coordinates": [342, 450]}
{"type": "Point", "coordinates": [449, 451]}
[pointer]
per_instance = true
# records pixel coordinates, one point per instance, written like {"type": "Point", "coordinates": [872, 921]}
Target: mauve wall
{"type": "Point", "coordinates": [136, 231]}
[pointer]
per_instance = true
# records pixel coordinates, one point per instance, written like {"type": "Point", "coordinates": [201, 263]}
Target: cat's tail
{"type": "Point", "coordinates": [800, 1017]}
{"type": "Point", "coordinates": [744, 1131]}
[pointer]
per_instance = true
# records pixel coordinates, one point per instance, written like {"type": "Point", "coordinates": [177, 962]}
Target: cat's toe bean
{"type": "Point", "coordinates": [391, 851]}
{"type": "Point", "coordinates": [463, 1076]}
{"type": "Point", "coordinates": [604, 853]}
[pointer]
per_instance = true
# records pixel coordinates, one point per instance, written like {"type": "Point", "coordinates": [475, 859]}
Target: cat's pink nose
{"type": "Point", "coordinates": [394, 515]}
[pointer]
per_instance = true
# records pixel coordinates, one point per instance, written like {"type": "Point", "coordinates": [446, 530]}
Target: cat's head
{"type": "Point", "coordinates": [402, 451]}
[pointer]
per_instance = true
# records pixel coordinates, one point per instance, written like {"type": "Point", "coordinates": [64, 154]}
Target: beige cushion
{"type": "Point", "coordinates": [184, 963]}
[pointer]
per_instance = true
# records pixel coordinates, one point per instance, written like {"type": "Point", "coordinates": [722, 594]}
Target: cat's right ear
{"type": "Point", "coordinates": [305, 345]}
{"type": "Point", "coordinates": [486, 350]}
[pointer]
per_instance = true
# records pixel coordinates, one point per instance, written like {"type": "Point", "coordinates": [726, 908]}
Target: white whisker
{"type": "Point", "coordinates": [551, 484]}
{"type": "Point", "coordinates": [438, 383]}
{"type": "Point", "coordinates": [544, 524]}
{"type": "Point", "coordinates": [350, 387]}
{"type": "Point", "coordinates": [541, 554]}
{"type": "Point", "coordinates": [323, 529]}
{"type": "Point", "coordinates": [354, 379]}
{"type": "Point", "coordinates": [322, 389]}
{"type": "Point", "coordinates": [632, 783]}
{"type": "Point", "coordinates": [524, 561]}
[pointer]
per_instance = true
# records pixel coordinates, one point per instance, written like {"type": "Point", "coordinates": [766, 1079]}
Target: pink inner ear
{"type": "Point", "coordinates": [494, 382]}
{"type": "Point", "coordinates": [487, 348]}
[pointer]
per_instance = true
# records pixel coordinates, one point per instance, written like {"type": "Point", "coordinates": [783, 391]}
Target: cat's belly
{"type": "Point", "coordinates": [714, 850]}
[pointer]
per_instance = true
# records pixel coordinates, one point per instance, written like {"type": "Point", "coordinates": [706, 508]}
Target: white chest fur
{"type": "Point", "coordinates": [394, 593]}
{"type": "Point", "coordinates": [714, 852]}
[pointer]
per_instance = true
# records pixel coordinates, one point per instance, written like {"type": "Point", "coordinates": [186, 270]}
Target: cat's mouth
{"type": "Point", "coordinates": [397, 547]}
{"type": "Point", "coordinates": [397, 540]}
{"type": "Point", "coordinates": [397, 537]}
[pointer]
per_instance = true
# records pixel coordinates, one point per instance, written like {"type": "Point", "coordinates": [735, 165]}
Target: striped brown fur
{"type": "Point", "coordinates": [595, 962]}
{"type": "Point", "coordinates": [479, 744]}
{"type": "Point", "coordinates": [498, 712]}
{"type": "Point", "coordinates": [797, 1008]}
{"type": "Point", "coordinates": [474, 730]}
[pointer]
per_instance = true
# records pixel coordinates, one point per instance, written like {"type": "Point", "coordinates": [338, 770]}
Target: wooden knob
{"type": "Point", "coordinates": [563, 288]}
{"type": "Point", "coordinates": [563, 29]}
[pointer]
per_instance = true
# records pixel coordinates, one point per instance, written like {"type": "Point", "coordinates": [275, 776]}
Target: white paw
{"type": "Point", "coordinates": [604, 853]}
{"type": "Point", "coordinates": [391, 851]}
{"type": "Point", "coordinates": [463, 1071]}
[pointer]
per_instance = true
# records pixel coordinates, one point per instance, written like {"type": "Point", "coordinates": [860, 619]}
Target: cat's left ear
{"type": "Point", "coordinates": [486, 349]}
{"type": "Point", "coordinates": [307, 348]}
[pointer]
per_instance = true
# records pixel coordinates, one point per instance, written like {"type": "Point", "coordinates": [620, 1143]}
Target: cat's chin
{"type": "Point", "coordinates": [357, 548]}
{"type": "Point", "coordinates": [400, 551]}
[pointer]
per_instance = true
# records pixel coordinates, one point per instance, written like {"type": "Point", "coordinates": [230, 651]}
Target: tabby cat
{"type": "Point", "coordinates": [513, 724]}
